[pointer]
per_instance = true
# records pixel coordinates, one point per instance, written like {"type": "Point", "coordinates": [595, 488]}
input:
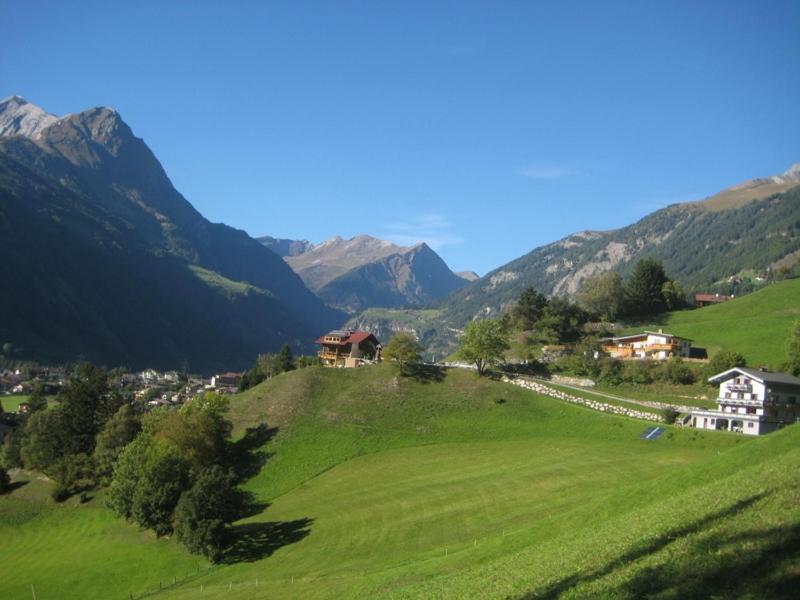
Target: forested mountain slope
{"type": "Point", "coordinates": [700, 244]}
{"type": "Point", "coordinates": [104, 259]}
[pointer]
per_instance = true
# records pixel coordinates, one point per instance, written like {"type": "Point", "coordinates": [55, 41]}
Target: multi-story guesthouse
{"type": "Point", "coordinates": [348, 348]}
{"type": "Point", "coordinates": [654, 345]}
{"type": "Point", "coordinates": [752, 401]}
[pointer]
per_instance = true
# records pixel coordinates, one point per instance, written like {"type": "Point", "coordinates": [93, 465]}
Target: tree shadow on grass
{"type": "Point", "coordinates": [567, 584]}
{"type": "Point", "coordinates": [734, 573]}
{"type": "Point", "coordinates": [246, 456]}
{"type": "Point", "coordinates": [15, 485]}
{"type": "Point", "coordinates": [250, 542]}
{"type": "Point", "coordinates": [423, 373]}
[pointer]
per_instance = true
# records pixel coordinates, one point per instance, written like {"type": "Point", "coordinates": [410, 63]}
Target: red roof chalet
{"type": "Point", "coordinates": [701, 300]}
{"type": "Point", "coordinates": [344, 348]}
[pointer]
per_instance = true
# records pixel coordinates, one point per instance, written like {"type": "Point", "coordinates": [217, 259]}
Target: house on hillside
{"type": "Point", "coordinates": [348, 348]}
{"type": "Point", "coordinates": [752, 401]}
{"type": "Point", "coordinates": [701, 300]}
{"type": "Point", "coordinates": [226, 381]}
{"type": "Point", "coordinates": [654, 345]}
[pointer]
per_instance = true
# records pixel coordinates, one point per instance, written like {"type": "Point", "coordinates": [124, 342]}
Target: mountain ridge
{"type": "Point", "coordinates": [98, 190]}
{"type": "Point", "coordinates": [701, 245]}
{"type": "Point", "coordinates": [364, 271]}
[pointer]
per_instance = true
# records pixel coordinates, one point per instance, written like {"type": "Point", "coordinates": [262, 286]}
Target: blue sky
{"type": "Point", "coordinates": [484, 128]}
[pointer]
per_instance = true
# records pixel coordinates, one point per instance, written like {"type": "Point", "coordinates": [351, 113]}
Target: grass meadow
{"type": "Point", "coordinates": [756, 325]}
{"type": "Point", "coordinates": [442, 486]}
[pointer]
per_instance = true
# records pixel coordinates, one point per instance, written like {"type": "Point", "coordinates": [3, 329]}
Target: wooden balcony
{"type": "Point", "coordinates": [660, 347]}
{"type": "Point", "coordinates": [618, 350]}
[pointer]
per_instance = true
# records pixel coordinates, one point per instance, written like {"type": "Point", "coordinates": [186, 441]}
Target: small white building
{"type": "Point", "coordinates": [752, 401]}
{"type": "Point", "coordinates": [654, 345]}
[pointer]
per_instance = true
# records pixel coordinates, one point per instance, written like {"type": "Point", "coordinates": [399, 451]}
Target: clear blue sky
{"type": "Point", "coordinates": [485, 128]}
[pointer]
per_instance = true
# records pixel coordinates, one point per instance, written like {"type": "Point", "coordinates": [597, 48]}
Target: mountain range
{"type": "Point", "coordinates": [748, 230]}
{"type": "Point", "coordinates": [365, 272]}
{"type": "Point", "coordinates": [104, 259]}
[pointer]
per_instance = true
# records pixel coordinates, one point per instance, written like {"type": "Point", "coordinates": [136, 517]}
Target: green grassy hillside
{"type": "Point", "coordinates": [451, 486]}
{"type": "Point", "coordinates": [755, 325]}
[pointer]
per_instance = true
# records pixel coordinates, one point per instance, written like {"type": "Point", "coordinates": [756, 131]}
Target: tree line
{"type": "Point", "coordinates": [269, 365]}
{"type": "Point", "coordinates": [172, 471]}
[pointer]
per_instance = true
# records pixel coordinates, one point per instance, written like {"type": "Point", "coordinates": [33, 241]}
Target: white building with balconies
{"type": "Point", "coordinates": [752, 401]}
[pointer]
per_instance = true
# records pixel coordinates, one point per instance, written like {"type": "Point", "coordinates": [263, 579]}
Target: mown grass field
{"type": "Point", "coordinates": [699, 394]}
{"type": "Point", "coordinates": [755, 325]}
{"type": "Point", "coordinates": [453, 486]}
{"type": "Point", "coordinates": [11, 403]}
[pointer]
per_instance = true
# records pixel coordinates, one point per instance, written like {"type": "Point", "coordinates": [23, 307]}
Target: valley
{"type": "Point", "coordinates": [400, 301]}
{"type": "Point", "coordinates": [360, 484]}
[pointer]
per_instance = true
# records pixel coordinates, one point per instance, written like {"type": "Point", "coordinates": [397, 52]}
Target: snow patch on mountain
{"type": "Point", "coordinates": [20, 117]}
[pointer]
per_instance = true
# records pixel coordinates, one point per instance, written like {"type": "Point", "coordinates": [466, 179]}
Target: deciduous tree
{"type": "Point", "coordinates": [404, 349]}
{"type": "Point", "coordinates": [118, 432]}
{"type": "Point", "coordinates": [484, 343]}
{"type": "Point", "coordinates": [204, 512]}
{"type": "Point", "coordinates": [724, 360]}
{"type": "Point", "coordinates": [603, 295]}
{"type": "Point", "coordinates": [45, 439]}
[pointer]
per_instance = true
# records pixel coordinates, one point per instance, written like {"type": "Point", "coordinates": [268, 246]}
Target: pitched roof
{"type": "Point", "coordinates": [348, 337]}
{"type": "Point", "coordinates": [712, 298]}
{"type": "Point", "coordinates": [758, 375]}
{"type": "Point", "coordinates": [645, 334]}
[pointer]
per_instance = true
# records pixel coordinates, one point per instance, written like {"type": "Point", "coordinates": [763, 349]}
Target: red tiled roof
{"type": "Point", "coordinates": [711, 298]}
{"type": "Point", "coordinates": [358, 336]}
{"type": "Point", "coordinates": [355, 337]}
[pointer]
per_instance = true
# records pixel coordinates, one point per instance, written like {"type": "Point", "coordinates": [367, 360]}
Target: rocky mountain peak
{"type": "Point", "coordinates": [792, 173]}
{"type": "Point", "coordinates": [20, 117]}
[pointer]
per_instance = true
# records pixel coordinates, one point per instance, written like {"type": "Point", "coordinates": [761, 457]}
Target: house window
{"type": "Point", "coordinates": [749, 425]}
{"type": "Point", "coordinates": [751, 410]}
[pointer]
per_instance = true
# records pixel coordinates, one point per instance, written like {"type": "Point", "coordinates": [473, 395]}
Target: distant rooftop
{"type": "Point", "coordinates": [763, 376]}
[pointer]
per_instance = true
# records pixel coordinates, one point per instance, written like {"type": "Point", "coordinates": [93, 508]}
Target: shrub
{"type": "Point", "coordinates": [636, 371]}
{"type": "Point", "coordinates": [722, 361]}
{"type": "Point", "coordinates": [73, 474]}
{"type": "Point", "coordinates": [669, 415]}
{"type": "Point", "coordinates": [676, 371]}
{"type": "Point", "coordinates": [610, 371]}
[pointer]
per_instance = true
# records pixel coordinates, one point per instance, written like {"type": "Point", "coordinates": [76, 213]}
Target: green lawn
{"type": "Point", "coordinates": [380, 486]}
{"type": "Point", "coordinates": [11, 403]}
{"type": "Point", "coordinates": [755, 325]}
{"type": "Point", "coordinates": [699, 395]}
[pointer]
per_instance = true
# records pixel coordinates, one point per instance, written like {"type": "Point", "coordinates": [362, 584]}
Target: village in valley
{"type": "Point", "coordinates": [751, 401]}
